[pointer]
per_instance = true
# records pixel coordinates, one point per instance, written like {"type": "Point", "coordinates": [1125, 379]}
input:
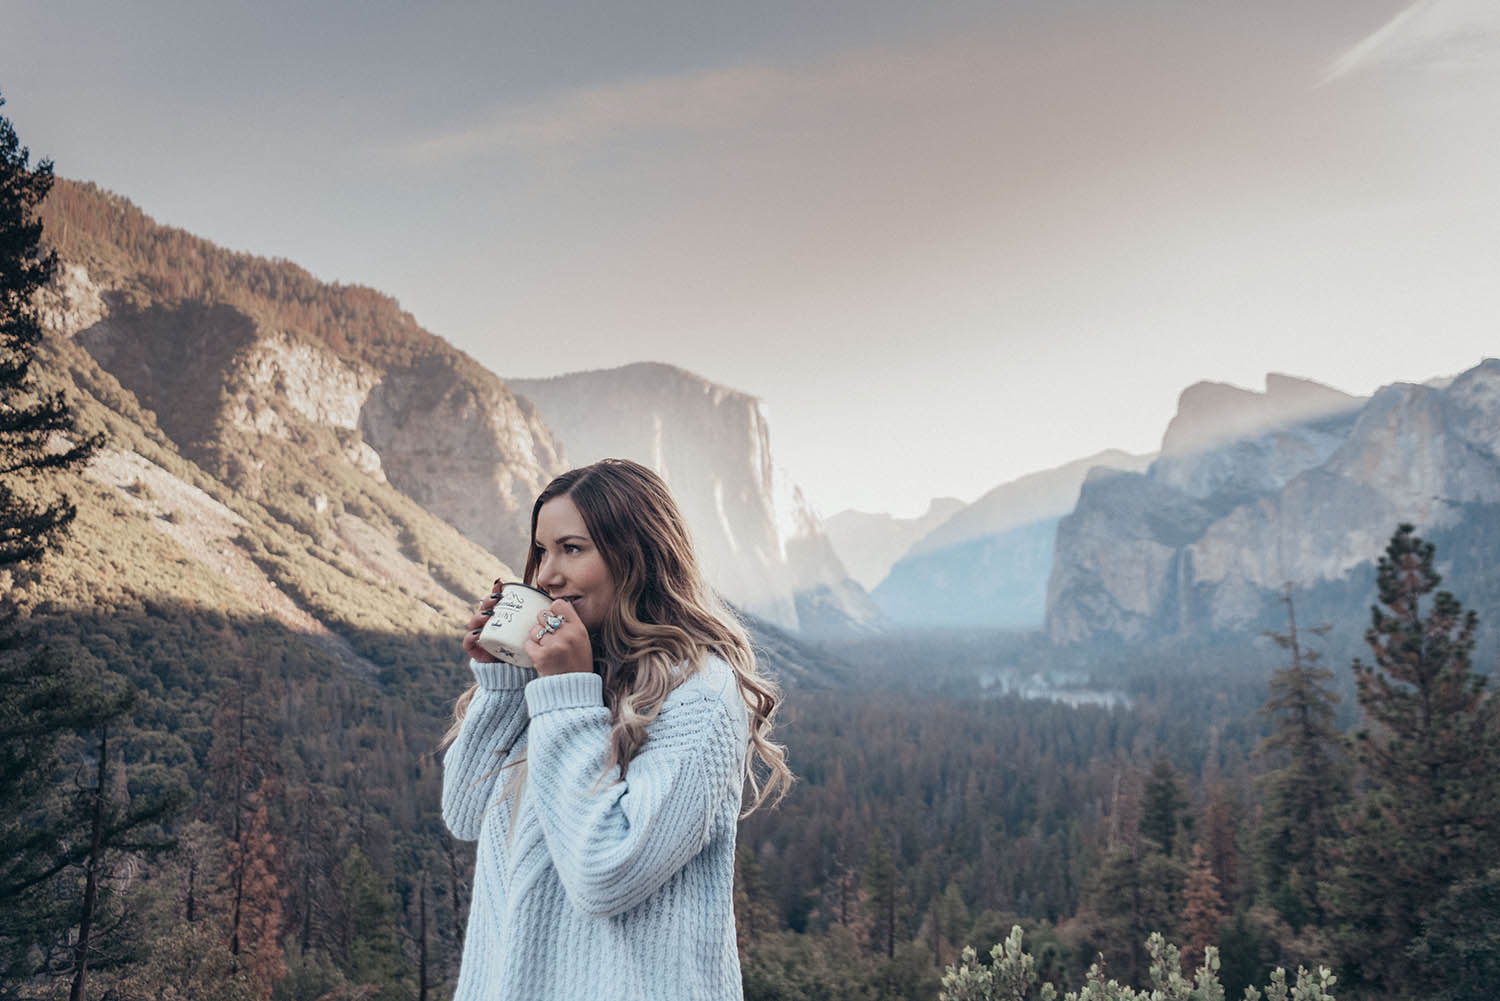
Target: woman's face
{"type": "Point", "coordinates": [569, 565]}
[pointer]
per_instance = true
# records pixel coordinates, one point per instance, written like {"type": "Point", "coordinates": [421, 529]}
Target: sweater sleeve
{"type": "Point", "coordinates": [495, 720]}
{"type": "Point", "coordinates": [614, 841]}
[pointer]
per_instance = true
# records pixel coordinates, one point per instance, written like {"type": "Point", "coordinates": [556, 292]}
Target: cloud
{"type": "Point", "coordinates": [1459, 35]}
{"type": "Point", "coordinates": [721, 100]}
{"type": "Point", "coordinates": [587, 115]}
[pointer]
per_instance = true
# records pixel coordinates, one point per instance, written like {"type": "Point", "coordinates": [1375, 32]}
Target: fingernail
{"type": "Point", "coordinates": [488, 611]}
{"type": "Point", "coordinates": [495, 595]}
{"type": "Point", "coordinates": [474, 633]}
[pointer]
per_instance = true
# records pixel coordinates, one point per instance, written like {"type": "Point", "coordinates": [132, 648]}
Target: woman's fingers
{"type": "Point", "coordinates": [477, 652]}
{"type": "Point", "coordinates": [476, 623]}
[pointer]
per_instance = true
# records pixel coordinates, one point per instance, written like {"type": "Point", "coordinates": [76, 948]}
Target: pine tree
{"type": "Point", "coordinates": [1221, 843]}
{"type": "Point", "coordinates": [255, 912]}
{"type": "Point", "coordinates": [1133, 894]}
{"type": "Point", "coordinates": [58, 719]}
{"type": "Point", "coordinates": [369, 947]}
{"type": "Point", "coordinates": [1202, 909]}
{"type": "Point", "coordinates": [1432, 820]}
{"type": "Point", "coordinates": [1301, 798]}
{"type": "Point", "coordinates": [882, 878]}
{"type": "Point", "coordinates": [34, 428]}
{"type": "Point", "coordinates": [1161, 802]}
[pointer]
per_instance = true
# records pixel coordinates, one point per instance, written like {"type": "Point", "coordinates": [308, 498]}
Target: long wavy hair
{"type": "Point", "coordinates": [664, 622]}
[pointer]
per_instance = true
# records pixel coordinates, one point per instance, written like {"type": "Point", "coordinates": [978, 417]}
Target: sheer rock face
{"type": "Point", "coordinates": [759, 541]}
{"type": "Point", "coordinates": [461, 445]}
{"type": "Point", "coordinates": [70, 301]}
{"type": "Point", "coordinates": [442, 430]}
{"type": "Point", "coordinates": [1207, 537]}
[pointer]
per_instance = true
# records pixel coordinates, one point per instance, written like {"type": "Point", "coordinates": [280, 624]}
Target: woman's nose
{"type": "Point", "coordinates": [547, 575]}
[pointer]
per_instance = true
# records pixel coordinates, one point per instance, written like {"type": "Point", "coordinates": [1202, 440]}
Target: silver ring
{"type": "Point", "coordinates": [539, 634]}
{"type": "Point", "coordinates": [554, 622]}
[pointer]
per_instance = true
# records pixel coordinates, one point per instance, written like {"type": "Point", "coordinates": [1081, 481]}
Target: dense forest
{"type": "Point", "coordinates": [199, 801]}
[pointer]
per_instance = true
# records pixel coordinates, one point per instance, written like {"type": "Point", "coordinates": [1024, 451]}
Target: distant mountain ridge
{"type": "Point", "coordinates": [1202, 542]}
{"type": "Point", "coordinates": [870, 544]}
{"type": "Point", "coordinates": [987, 565]}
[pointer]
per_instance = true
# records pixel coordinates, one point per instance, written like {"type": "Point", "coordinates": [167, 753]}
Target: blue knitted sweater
{"type": "Point", "coordinates": [621, 888]}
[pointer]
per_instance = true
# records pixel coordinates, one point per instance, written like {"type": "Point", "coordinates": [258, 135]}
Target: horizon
{"type": "Point", "coordinates": [873, 225]}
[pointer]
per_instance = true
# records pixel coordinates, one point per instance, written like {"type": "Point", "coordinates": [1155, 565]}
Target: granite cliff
{"type": "Point", "coordinates": [1307, 492]}
{"type": "Point", "coordinates": [759, 540]}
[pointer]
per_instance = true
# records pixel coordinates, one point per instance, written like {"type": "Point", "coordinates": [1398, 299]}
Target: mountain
{"type": "Point", "coordinates": [870, 544]}
{"type": "Point", "coordinates": [988, 563]}
{"type": "Point", "coordinates": [758, 538]}
{"type": "Point", "coordinates": [1203, 542]}
{"type": "Point", "coordinates": [267, 377]}
{"type": "Point", "coordinates": [293, 455]}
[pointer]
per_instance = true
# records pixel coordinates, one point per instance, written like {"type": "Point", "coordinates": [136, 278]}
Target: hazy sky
{"type": "Point", "coordinates": [946, 243]}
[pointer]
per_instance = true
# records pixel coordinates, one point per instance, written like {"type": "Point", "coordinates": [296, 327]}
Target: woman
{"type": "Point", "coordinates": [605, 784]}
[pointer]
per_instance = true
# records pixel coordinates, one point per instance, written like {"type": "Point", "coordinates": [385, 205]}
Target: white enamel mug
{"type": "Point", "coordinates": [513, 622]}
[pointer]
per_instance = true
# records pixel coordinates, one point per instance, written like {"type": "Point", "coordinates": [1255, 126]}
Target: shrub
{"type": "Point", "coordinates": [1011, 976]}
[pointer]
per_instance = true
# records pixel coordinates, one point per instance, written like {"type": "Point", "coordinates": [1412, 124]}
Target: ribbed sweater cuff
{"type": "Point", "coordinates": [574, 690]}
{"type": "Point", "coordinates": [500, 675]}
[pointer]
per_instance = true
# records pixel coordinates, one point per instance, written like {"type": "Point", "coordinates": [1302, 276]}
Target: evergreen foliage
{"type": "Point", "coordinates": [59, 852]}
{"type": "Point", "coordinates": [1302, 796]}
{"type": "Point", "coordinates": [1161, 806]}
{"type": "Point", "coordinates": [35, 428]}
{"type": "Point", "coordinates": [1432, 820]}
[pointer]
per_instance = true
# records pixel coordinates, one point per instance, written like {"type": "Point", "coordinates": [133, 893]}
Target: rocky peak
{"type": "Point", "coordinates": [1204, 542]}
{"type": "Point", "coordinates": [1212, 413]}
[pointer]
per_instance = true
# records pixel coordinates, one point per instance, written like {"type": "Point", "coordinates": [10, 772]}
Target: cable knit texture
{"type": "Point", "coordinates": [613, 888]}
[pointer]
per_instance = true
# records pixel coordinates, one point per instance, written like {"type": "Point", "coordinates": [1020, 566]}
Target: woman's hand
{"type": "Point", "coordinates": [564, 649]}
{"type": "Point", "coordinates": [476, 624]}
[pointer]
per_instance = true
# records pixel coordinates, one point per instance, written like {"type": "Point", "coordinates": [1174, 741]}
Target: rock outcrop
{"type": "Point", "coordinates": [441, 429]}
{"type": "Point", "coordinates": [1207, 538]}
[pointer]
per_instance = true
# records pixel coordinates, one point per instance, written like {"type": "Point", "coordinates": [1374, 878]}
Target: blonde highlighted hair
{"type": "Point", "coordinates": [664, 617]}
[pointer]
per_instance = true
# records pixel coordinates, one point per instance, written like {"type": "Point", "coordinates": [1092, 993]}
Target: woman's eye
{"type": "Point", "coordinates": [571, 548]}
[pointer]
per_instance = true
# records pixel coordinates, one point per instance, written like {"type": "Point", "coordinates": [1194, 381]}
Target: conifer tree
{"type": "Point", "coordinates": [43, 833]}
{"type": "Point", "coordinates": [1202, 909]}
{"type": "Point", "coordinates": [255, 912]}
{"type": "Point", "coordinates": [1161, 802]}
{"type": "Point", "coordinates": [34, 428]}
{"type": "Point", "coordinates": [1133, 893]}
{"type": "Point", "coordinates": [1430, 754]}
{"type": "Point", "coordinates": [370, 950]}
{"type": "Point", "coordinates": [881, 879]}
{"type": "Point", "coordinates": [1301, 798]}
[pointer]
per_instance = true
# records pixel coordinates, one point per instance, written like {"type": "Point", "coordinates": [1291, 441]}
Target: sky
{"type": "Point", "coordinates": [946, 244]}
